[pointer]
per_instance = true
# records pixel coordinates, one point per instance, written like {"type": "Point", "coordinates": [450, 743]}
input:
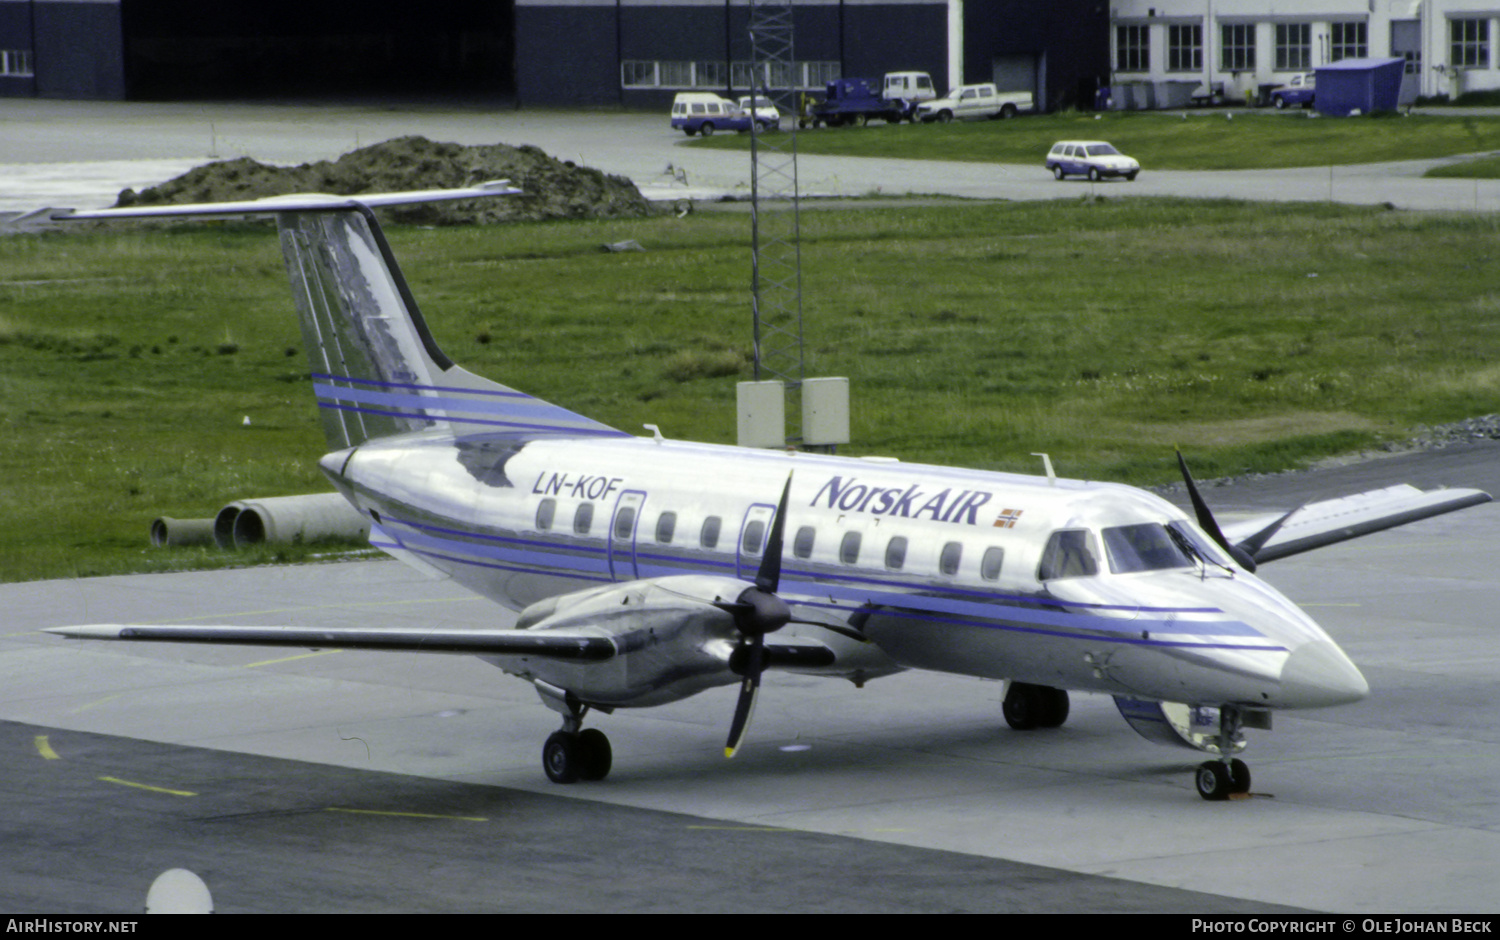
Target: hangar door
{"type": "Point", "coordinates": [1018, 73]}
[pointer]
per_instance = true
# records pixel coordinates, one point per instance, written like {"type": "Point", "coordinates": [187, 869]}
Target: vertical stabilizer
{"type": "Point", "coordinates": [376, 368]}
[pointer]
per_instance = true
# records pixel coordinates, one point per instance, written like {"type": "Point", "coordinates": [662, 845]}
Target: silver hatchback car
{"type": "Point", "coordinates": [1092, 158]}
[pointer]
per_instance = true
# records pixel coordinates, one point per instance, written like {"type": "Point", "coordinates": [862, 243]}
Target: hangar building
{"type": "Point", "coordinates": [1247, 45]}
{"type": "Point", "coordinates": [537, 52]}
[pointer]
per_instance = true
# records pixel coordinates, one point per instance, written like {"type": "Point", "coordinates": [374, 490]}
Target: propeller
{"type": "Point", "coordinates": [1207, 523]}
{"type": "Point", "coordinates": [756, 612]}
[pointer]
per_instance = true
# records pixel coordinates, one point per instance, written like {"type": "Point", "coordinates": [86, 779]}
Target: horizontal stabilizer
{"type": "Point", "coordinates": [301, 202]}
{"type": "Point", "coordinates": [477, 642]}
{"type": "Point", "coordinates": [1337, 520]}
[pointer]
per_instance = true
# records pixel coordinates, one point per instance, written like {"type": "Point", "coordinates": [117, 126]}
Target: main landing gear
{"type": "Point", "coordinates": [570, 756]}
{"type": "Point", "coordinates": [574, 753]}
{"type": "Point", "coordinates": [1028, 706]}
{"type": "Point", "coordinates": [1224, 777]}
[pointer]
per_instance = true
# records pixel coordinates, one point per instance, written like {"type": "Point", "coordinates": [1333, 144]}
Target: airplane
{"type": "Point", "coordinates": [646, 570]}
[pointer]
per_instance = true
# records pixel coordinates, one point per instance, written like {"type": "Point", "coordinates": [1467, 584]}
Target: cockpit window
{"type": "Point", "coordinates": [1143, 547]}
{"type": "Point", "coordinates": [1069, 554]}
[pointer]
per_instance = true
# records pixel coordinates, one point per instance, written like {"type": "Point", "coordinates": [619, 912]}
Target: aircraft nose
{"type": "Point", "coordinates": [1318, 674]}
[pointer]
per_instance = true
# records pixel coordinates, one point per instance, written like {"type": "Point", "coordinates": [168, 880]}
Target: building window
{"type": "Point", "coordinates": [1132, 48]}
{"type": "Point", "coordinates": [1185, 48]}
{"type": "Point", "coordinates": [638, 75]}
{"type": "Point", "coordinates": [15, 62]}
{"type": "Point", "coordinates": [1293, 47]}
{"type": "Point", "coordinates": [813, 75]}
{"type": "Point", "coordinates": [710, 75]}
{"type": "Point", "coordinates": [1237, 44]}
{"type": "Point", "coordinates": [1347, 41]}
{"type": "Point", "coordinates": [1471, 44]}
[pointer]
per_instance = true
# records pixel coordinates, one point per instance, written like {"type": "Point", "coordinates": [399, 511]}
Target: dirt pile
{"type": "Point", "coordinates": [554, 189]}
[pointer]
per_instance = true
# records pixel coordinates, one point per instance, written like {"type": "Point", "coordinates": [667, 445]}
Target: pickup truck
{"type": "Point", "coordinates": [1299, 91]}
{"type": "Point", "coordinates": [973, 102]}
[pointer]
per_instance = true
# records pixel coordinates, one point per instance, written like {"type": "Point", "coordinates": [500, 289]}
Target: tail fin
{"type": "Point", "coordinates": [376, 368]}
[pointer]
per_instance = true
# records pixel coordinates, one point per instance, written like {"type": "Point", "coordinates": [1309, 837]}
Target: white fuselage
{"type": "Point", "coordinates": [947, 569]}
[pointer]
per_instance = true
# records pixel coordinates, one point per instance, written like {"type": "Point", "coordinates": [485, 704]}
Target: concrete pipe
{"type": "Point", "coordinates": [167, 531]}
{"type": "Point", "coordinates": [282, 519]}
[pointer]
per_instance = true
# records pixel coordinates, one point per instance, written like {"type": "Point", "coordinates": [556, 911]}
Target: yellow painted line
{"type": "Point", "coordinates": [290, 659]}
{"type": "Point", "coordinates": [45, 749]}
{"type": "Point", "coordinates": [147, 786]}
{"type": "Point", "coordinates": [378, 812]}
{"type": "Point", "coordinates": [744, 828]}
{"type": "Point", "coordinates": [95, 703]}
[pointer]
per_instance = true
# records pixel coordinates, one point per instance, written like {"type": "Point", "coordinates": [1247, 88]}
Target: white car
{"type": "Point", "coordinates": [1092, 158]}
{"type": "Point", "coordinates": [764, 112]}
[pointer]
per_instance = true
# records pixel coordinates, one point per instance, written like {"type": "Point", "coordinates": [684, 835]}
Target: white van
{"type": "Point", "coordinates": [701, 111]}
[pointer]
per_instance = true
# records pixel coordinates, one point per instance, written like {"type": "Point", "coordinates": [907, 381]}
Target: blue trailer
{"type": "Point", "coordinates": [1363, 85]}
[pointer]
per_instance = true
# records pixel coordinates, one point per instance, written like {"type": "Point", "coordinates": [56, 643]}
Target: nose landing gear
{"type": "Point", "coordinates": [1225, 777]}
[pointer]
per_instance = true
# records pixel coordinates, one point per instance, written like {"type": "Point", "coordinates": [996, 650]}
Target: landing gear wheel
{"type": "Point", "coordinates": [1239, 776]}
{"type": "Point", "coordinates": [1214, 780]}
{"type": "Point", "coordinates": [1029, 706]}
{"type": "Point", "coordinates": [594, 754]}
{"type": "Point", "coordinates": [561, 757]}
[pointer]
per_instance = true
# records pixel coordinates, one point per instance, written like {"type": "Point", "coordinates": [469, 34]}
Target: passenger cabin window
{"type": "Point", "coordinates": [709, 536]}
{"type": "Point", "coordinates": [948, 561]}
{"type": "Point", "coordinates": [1069, 554]}
{"type": "Point", "coordinates": [895, 552]}
{"type": "Point", "coordinates": [666, 526]}
{"type": "Point", "coordinates": [583, 519]}
{"type": "Point", "coordinates": [1143, 547]}
{"type": "Point", "coordinates": [545, 512]}
{"type": "Point", "coordinates": [849, 548]}
{"type": "Point", "coordinates": [989, 566]}
{"type": "Point", "coordinates": [750, 541]}
{"type": "Point", "coordinates": [802, 543]}
{"type": "Point", "coordinates": [625, 522]}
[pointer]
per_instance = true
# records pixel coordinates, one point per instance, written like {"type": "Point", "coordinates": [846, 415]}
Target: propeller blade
{"type": "Point", "coordinates": [1206, 520]}
{"type": "Point", "coordinates": [1256, 542]}
{"type": "Point", "coordinates": [749, 689]}
{"type": "Point", "coordinates": [768, 578]}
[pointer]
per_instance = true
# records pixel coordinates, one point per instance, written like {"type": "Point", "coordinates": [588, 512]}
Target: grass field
{"type": "Point", "coordinates": [1105, 333]}
{"type": "Point", "coordinates": [1211, 139]}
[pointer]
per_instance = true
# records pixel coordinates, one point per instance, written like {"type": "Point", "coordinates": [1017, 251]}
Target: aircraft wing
{"type": "Point", "coordinates": [547, 645]}
{"type": "Point", "coordinates": [1330, 521]}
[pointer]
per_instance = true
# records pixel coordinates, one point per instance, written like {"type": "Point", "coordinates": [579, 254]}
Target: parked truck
{"type": "Point", "coordinates": [847, 101]}
{"type": "Point", "coordinates": [975, 102]}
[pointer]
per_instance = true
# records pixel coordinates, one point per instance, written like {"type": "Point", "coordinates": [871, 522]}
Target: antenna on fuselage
{"type": "Point", "coordinates": [1047, 463]}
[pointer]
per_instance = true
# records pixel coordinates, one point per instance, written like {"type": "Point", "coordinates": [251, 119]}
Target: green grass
{"type": "Point", "coordinates": [1482, 168]}
{"type": "Point", "coordinates": [1211, 139]}
{"type": "Point", "coordinates": [1256, 337]}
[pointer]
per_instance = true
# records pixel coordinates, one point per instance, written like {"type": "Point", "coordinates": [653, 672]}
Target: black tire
{"type": "Point", "coordinates": [945, 117]}
{"type": "Point", "coordinates": [1239, 776]}
{"type": "Point", "coordinates": [707, 130]}
{"type": "Point", "coordinates": [1057, 172]}
{"type": "Point", "coordinates": [1279, 102]}
{"type": "Point", "coordinates": [689, 131]}
{"type": "Point", "coordinates": [1212, 780]}
{"type": "Point", "coordinates": [594, 753]}
{"type": "Point", "coordinates": [1094, 175]}
{"type": "Point", "coordinates": [560, 757]}
{"type": "Point", "coordinates": [1055, 707]}
{"type": "Point", "coordinates": [763, 126]}
{"type": "Point", "coordinates": [1028, 706]}
{"type": "Point", "coordinates": [1007, 112]}
{"type": "Point", "coordinates": [1131, 176]}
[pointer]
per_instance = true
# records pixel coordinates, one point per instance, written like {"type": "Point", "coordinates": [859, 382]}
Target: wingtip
{"type": "Point", "coordinates": [95, 631]}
